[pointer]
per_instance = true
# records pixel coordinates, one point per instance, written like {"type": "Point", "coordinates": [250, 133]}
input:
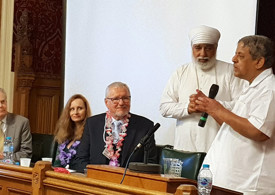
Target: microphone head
{"type": "Point", "coordinates": [151, 131]}
{"type": "Point", "coordinates": [213, 91]}
{"type": "Point", "coordinates": [147, 136]}
{"type": "Point", "coordinates": [157, 125]}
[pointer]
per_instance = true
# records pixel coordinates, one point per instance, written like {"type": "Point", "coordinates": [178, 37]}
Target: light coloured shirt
{"type": "Point", "coordinates": [116, 130]}
{"type": "Point", "coordinates": [4, 124]}
{"type": "Point", "coordinates": [175, 99]}
{"type": "Point", "coordinates": [237, 162]}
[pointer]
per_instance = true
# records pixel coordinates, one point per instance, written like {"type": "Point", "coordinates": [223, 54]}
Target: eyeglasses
{"type": "Point", "coordinates": [116, 100]}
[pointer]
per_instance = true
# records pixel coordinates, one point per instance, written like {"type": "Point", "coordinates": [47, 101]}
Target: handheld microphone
{"type": "Point", "coordinates": [212, 94]}
{"type": "Point", "coordinates": [147, 136]}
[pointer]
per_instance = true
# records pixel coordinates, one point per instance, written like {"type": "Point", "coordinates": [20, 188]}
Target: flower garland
{"type": "Point", "coordinates": [64, 156]}
{"type": "Point", "coordinates": [111, 154]}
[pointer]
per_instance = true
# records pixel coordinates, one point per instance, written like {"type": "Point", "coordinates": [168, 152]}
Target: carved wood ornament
{"type": "Point", "coordinates": [23, 71]}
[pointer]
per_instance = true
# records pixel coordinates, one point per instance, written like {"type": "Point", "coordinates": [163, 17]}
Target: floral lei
{"type": "Point", "coordinates": [114, 155]}
{"type": "Point", "coordinates": [65, 157]}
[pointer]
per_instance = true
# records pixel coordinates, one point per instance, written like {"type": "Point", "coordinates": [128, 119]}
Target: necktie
{"type": "Point", "coordinates": [116, 131]}
{"type": "Point", "coordinates": [2, 136]}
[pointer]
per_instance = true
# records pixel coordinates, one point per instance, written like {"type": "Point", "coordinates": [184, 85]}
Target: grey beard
{"type": "Point", "coordinates": [205, 66]}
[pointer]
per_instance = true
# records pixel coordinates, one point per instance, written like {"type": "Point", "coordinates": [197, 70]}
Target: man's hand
{"type": "Point", "coordinates": [192, 102]}
{"type": "Point", "coordinates": [208, 105]}
{"type": "Point", "coordinates": [1, 156]}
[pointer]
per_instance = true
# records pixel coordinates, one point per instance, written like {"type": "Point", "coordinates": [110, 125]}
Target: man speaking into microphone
{"type": "Point", "coordinates": [242, 156]}
{"type": "Point", "coordinates": [201, 73]}
{"type": "Point", "coordinates": [109, 138]}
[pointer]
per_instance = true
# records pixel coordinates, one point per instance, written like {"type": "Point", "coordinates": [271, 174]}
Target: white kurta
{"type": "Point", "coordinates": [239, 163]}
{"type": "Point", "coordinates": [175, 99]}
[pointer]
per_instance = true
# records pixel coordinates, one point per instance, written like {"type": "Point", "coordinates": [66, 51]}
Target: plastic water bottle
{"type": "Point", "coordinates": [205, 180]}
{"type": "Point", "coordinates": [6, 147]}
{"type": "Point", "coordinates": [11, 149]}
{"type": "Point", "coordinates": [8, 151]}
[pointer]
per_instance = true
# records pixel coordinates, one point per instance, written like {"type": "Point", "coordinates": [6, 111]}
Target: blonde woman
{"type": "Point", "coordinates": [69, 129]}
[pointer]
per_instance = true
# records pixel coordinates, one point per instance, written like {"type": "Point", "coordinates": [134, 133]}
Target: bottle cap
{"type": "Point", "coordinates": [205, 166]}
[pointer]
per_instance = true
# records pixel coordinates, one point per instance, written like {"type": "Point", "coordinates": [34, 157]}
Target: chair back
{"type": "Point", "coordinates": [43, 145]}
{"type": "Point", "coordinates": [159, 150]}
{"type": "Point", "coordinates": [192, 161]}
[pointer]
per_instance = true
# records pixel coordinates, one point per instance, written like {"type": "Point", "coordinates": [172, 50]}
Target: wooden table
{"type": "Point", "coordinates": [157, 182]}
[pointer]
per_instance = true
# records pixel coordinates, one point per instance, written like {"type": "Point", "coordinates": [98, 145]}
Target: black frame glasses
{"type": "Point", "coordinates": [116, 100]}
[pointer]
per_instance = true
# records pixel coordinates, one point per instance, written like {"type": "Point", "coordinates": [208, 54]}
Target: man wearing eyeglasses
{"type": "Point", "coordinates": [110, 138]}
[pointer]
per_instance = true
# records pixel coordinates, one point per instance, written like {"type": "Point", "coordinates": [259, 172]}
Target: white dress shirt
{"type": "Point", "coordinates": [239, 163]}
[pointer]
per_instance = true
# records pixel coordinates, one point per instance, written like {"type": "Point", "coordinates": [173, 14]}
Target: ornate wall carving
{"type": "Point", "coordinates": [37, 58]}
{"type": "Point", "coordinates": [45, 34]}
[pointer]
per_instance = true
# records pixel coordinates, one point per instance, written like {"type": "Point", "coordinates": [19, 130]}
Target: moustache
{"type": "Point", "coordinates": [203, 58]}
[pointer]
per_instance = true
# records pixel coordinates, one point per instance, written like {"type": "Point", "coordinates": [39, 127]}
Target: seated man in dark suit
{"type": "Point", "coordinates": [17, 127]}
{"type": "Point", "coordinates": [105, 143]}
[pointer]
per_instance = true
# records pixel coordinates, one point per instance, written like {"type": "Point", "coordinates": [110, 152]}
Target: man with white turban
{"type": "Point", "coordinates": [201, 73]}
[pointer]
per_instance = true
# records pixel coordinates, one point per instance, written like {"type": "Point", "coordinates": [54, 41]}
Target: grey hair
{"type": "Point", "coordinates": [4, 92]}
{"type": "Point", "coordinates": [259, 46]}
{"type": "Point", "coordinates": [116, 84]}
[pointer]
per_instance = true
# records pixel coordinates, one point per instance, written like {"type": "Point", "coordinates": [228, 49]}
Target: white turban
{"type": "Point", "coordinates": [204, 34]}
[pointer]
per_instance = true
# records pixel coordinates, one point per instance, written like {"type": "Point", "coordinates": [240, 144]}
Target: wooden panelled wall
{"type": "Point", "coordinates": [37, 58]}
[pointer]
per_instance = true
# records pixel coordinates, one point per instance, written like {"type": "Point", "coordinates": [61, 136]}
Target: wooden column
{"type": "Point", "coordinates": [23, 72]}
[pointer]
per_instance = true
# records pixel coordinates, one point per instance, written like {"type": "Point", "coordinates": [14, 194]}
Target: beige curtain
{"type": "Point", "coordinates": [6, 76]}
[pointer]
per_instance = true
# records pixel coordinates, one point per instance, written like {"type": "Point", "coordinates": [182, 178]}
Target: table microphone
{"type": "Point", "coordinates": [147, 136]}
{"type": "Point", "coordinates": [143, 167]}
{"type": "Point", "coordinates": [212, 94]}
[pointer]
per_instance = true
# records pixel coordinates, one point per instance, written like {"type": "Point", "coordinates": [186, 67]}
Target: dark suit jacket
{"type": "Point", "coordinates": [92, 143]}
{"type": "Point", "coordinates": [18, 128]}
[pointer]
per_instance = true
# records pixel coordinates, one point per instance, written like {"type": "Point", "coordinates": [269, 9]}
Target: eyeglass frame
{"type": "Point", "coordinates": [127, 98]}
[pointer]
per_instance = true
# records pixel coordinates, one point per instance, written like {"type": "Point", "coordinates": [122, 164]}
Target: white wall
{"type": "Point", "coordinates": [141, 42]}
